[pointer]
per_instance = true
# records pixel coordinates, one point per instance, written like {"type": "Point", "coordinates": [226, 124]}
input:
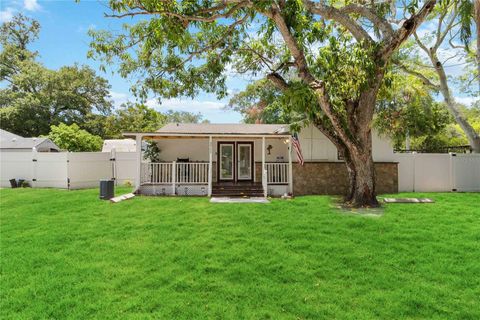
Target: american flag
{"type": "Point", "coordinates": [298, 149]}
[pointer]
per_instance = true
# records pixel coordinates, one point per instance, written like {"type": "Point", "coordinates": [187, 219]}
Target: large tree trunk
{"type": "Point", "coordinates": [353, 138]}
{"type": "Point", "coordinates": [360, 168]}
{"type": "Point", "coordinates": [362, 186]}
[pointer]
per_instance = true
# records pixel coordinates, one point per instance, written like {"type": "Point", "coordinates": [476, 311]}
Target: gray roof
{"type": "Point", "coordinates": [225, 128]}
{"type": "Point", "coordinates": [6, 135]}
{"type": "Point", "coordinates": [10, 140]}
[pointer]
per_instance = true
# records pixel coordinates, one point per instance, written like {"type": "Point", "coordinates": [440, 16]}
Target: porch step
{"type": "Point", "coordinates": [238, 190]}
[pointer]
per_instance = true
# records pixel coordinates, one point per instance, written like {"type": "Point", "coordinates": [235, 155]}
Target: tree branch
{"type": "Point", "coordinates": [142, 10]}
{"type": "Point", "coordinates": [408, 27]}
{"type": "Point", "coordinates": [301, 62]}
{"type": "Point", "coordinates": [335, 14]}
{"type": "Point", "coordinates": [278, 81]}
{"type": "Point", "coordinates": [378, 21]}
{"type": "Point", "coordinates": [417, 74]}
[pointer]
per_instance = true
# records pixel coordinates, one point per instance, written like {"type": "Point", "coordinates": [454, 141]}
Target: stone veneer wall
{"type": "Point", "coordinates": [332, 178]}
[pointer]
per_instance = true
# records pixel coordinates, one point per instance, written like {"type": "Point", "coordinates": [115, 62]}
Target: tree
{"type": "Point", "coordinates": [186, 46]}
{"type": "Point", "coordinates": [261, 102]}
{"type": "Point", "coordinates": [152, 151]}
{"type": "Point", "coordinates": [15, 36]}
{"type": "Point", "coordinates": [138, 118]}
{"type": "Point", "coordinates": [72, 138]}
{"type": "Point", "coordinates": [35, 97]}
{"type": "Point", "coordinates": [446, 34]}
{"type": "Point", "coordinates": [406, 109]}
{"type": "Point", "coordinates": [184, 117]}
{"type": "Point", "coordinates": [129, 117]}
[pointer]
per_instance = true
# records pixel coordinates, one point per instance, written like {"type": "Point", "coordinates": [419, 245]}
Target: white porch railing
{"type": "Point", "coordinates": [277, 172]}
{"type": "Point", "coordinates": [192, 172]}
{"type": "Point", "coordinates": [157, 173]}
{"type": "Point", "coordinates": [174, 172]}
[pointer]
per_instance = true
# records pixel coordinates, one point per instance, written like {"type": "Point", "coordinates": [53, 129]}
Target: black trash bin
{"type": "Point", "coordinates": [107, 189]}
{"type": "Point", "coordinates": [13, 183]}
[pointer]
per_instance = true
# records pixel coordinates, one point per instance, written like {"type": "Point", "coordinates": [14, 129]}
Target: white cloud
{"type": "Point", "coordinates": [6, 15]}
{"type": "Point", "coordinates": [119, 98]}
{"type": "Point", "coordinates": [31, 5]}
{"type": "Point", "coordinates": [468, 101]}
{"type": "Point", "coordinates": [186, 105]}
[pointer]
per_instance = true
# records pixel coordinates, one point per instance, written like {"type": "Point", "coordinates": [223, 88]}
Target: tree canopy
{"type": "Point", "coordinates": [72, 138]}
{"type": "Point", "coordinates": [325, 56]}
{"type": "Point", "coordinates": [34, 97]}
{"type": "Point", "coordinates": [431, 57]}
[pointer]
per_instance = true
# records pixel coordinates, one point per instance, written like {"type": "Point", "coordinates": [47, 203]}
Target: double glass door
{"type": "Point", "coordinates": [235, 161]}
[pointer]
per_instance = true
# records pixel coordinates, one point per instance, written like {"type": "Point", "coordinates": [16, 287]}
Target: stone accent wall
{"type": "Point", "coordinates": [332, 178]}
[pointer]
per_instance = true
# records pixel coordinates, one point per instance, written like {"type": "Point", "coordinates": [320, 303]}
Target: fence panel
{"type": "Point", "coordinates": [125, 167]}
{"type": "Point", "coordinates": [432, 172]}
{"type": "Point", "coordinates": [466, 172]}
{"type": "Point", "coordinates": [86, 169]}
{"type": "Point", "coordinates": [406, 172]}
{"type": "Point", "coordinates": [438, 172]}
{"type": "Point", "coordinates": [50, 170]}
{"type": "Point", "coordinates": [15, 165]}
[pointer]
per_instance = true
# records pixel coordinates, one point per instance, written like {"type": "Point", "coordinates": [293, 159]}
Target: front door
{"type": "Point", "coordinates": [226, 160]}
{"type": "Point", "coordinates": [235, 161]}
{"type": "Point", "coordinates": [244, 160]}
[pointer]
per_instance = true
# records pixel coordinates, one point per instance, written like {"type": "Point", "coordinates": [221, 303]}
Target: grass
{"type": "Point", "coordinates": [66, 254]}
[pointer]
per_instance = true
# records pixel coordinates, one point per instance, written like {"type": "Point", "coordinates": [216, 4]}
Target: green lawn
{"type": "Point", "coordinates": [66, 254]}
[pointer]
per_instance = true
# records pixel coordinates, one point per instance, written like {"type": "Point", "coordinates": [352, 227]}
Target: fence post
{"type": "Point", "coordinates": [113, 161]}
{"type": "Point", "coordinates": [414, 169]}
{"type": "Point", "coordinates": [174, 178]}
{"type": "Point", "coordinates": [452, 171]}
{"type": "Point", "coordinates": [138, 173]}
{"type": "Point", "coordinates": [34, 167]}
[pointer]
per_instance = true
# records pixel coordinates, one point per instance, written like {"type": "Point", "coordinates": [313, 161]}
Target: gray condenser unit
{"type": "Point", "coordinates": [107, 189]}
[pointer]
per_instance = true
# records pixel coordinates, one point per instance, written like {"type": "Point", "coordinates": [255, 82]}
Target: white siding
{"type": "Point", "coordinates": [316, 147]}
{"type": "Point", "coordinates": [197, 149]}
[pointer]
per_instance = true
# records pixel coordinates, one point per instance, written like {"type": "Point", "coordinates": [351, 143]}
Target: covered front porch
{"type": "Point", "coordinates": [215, 165]}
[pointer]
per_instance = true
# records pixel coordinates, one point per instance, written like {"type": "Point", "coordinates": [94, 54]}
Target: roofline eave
{"type": "Point", "coordinates": [203, 135]}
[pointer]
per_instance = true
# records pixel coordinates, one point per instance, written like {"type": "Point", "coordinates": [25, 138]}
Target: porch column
{"type": "Point", "coordinates": [264, 176]}
{"type": "Point", "coordinates": [174, 177]}
{"type": "Point", "coordinates": [138, 150]}
{"type": "Point", "coordinates": [210, 163]}
{"type": "Point", "coordinates": [290, 169]}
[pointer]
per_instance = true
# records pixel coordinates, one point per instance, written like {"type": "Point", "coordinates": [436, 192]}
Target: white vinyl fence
{"type": "Point", "coordinates": [74, 170]}
{"type": "Point", "coordinates": [438, 172]}
{"type": "Point", "coordinates": [67, 170]}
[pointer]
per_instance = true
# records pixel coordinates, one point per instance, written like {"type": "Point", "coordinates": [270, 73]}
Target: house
{"type": "Point", "coordinates": [120, 145]}
{"type": "Point", "coordinates": [13, 142]}
{"type": "Point", "coordinates": [250, 160]}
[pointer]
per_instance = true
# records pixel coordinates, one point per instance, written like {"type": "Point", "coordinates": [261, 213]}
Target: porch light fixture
{"type": "Point", "coordinates": [286, 141]}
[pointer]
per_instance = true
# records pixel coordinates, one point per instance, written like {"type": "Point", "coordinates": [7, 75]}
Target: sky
{"type": "Point", "coordinates": [64, 40]}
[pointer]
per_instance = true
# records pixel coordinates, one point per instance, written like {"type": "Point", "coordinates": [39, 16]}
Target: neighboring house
{"type": "Point", "coordinates": [120, 145]}
{"type": "Point", "coordinates": [227, 159]}
{"type": "Point", "coordinates": [13, 142]}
